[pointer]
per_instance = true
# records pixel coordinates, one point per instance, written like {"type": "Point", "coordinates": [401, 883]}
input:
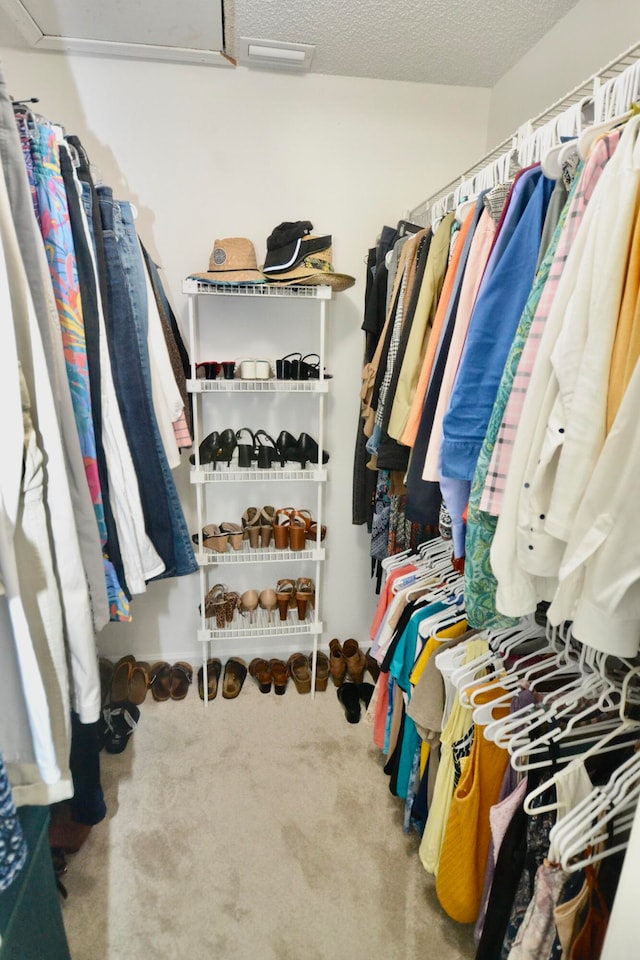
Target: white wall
{"type": "Point", "coordinates": [206, 153]}
{"type": "Point", "coordinates": [584, 40]}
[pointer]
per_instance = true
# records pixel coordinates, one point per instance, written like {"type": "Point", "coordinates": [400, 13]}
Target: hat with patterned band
{"type": "Point", "coordinates": [232, 260]}
{"type": "Point", "coordinates": [314, 270]}
{"type": "Point", "coordinates": [288, 245]}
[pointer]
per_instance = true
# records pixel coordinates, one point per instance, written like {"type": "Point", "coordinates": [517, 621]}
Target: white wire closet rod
{"type": "Point", "coordinates": [587, 88]}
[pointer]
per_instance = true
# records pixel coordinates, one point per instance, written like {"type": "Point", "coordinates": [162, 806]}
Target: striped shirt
{"type": "Point", "coordinates": [493, 492]}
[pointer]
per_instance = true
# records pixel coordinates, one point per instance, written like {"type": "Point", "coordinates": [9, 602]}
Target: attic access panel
{"type": "Point", "coordinates": [123, 28]}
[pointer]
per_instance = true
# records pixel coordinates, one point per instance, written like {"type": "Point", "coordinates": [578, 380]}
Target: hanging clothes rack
{"type": "Point", "coordinates": [598, 87]}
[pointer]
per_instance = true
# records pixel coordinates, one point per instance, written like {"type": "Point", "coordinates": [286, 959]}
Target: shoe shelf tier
{"type": "Point", "coordinates": [267, 631]}
{"type": "Point", "coordinates": [209, 558]}
{"type": "Point", "coordinates": [257, 386]}
{"type": "Point", "coordinates": [263, 636]}
{"type": "Point", "coordinates": [241, 474]}
{"type": "Point", "coordinates": [201, 288]}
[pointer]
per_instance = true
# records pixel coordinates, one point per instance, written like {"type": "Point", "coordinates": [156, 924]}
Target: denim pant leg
{"type": "Point", "coordinates": [137, 414]}
{"type": "Point", "coordinates": [88, 291]}
{"type": "Point", "coordinates": [133, 266]}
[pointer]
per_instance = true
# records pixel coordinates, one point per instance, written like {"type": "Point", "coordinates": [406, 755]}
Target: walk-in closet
{"type": "Point", "coordinates": [318, 529]}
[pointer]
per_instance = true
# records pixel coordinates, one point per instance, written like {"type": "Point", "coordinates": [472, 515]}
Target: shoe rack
{"type": "Point", "coordinates": [209, 310]}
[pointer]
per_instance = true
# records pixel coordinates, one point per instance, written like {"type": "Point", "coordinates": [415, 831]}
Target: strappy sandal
{"type": "Point", "coordinates": [214, 539]}
{"type": "Point", "coordinates": [281, 526]}
{"type": "Point", "coordinates": [214, 605]}
{"type": "Point", "coordinates": [246, 443]}
{"type": "Point", "coordinates": [231, 604]}
{"type": "Point", "coordinates": [267, 520]}
{"type": "Point", "coordinates": [235, 671]}
{"type": "Point", "coordinates": [234, 533]}
{"type": "Point", "coordinates": [305, 594]}
{"type": "Point", "coordinates": [160, 680]}
{"type": "Point", "coordinates": [286, 596]}
{"type": "Point", "coordinates": [181, 679]}
{"type": "Point", "coordinates": [214, 668]}
{"type": "Point", "coordinates": [251, 522]}
{"type": "Point", "coordinates": [297, 531]}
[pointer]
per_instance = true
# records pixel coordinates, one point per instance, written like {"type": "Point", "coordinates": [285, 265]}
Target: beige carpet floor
{"type": "Point", "coordinates": [261, 829]}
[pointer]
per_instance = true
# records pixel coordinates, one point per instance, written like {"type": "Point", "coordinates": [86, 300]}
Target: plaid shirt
{"type": "Point", "coordinates": [493, 492]}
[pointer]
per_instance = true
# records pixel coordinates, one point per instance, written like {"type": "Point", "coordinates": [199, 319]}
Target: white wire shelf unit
{"type": "Point", "coordinates": [262, 635]}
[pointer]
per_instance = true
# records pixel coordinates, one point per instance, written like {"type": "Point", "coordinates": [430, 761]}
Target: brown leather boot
{"type": "Point", "coordinates": [337, 663]}
{"type": "Point", "coordinates": [355, 659]}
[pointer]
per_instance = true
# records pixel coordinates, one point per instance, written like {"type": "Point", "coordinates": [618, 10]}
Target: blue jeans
{"type": "Point", "coordinates": [126, 319]}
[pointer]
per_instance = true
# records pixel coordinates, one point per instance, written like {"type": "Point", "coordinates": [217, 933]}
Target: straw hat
{"type": "Point", "coordinates": [314, 270]}
{"type": "Point", "coordinates": [232, 260]}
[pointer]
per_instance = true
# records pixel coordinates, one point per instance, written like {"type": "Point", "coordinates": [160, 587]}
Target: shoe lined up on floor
{"type": "Point", "coordinates": [258, 449]}
{"type": "Point", "coordinates": [348, 660]}
{"type": "Point", "coordinates": [123, 688]}
{"type": "Point", "coordinates": [170, 681]}
{"type": "Point", "coordinates": [298, 667]}
{"type": "Point", "coordinates": [351, 695]}
{"type": "Point", "coordinates": [125, 681]}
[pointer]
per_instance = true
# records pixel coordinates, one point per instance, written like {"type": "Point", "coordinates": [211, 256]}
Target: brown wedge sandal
{"type": "Point", "coordinates": [280, 674]}
{"type": "Point", "coordinates": [300, 672]}
{"type": "Point", "coordinates": [322, 670]}
{"type": "Point", "coordinates": [286, 596]}
{"type": "Point", "coordinates": [260, 670]}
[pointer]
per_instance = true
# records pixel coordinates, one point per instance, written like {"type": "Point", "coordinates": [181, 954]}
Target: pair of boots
{"type": "Point", "coordinates": [348, 659]}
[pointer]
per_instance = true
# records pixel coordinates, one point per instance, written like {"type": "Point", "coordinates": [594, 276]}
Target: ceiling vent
{"type": "Point", "coordinates": [274, 54]}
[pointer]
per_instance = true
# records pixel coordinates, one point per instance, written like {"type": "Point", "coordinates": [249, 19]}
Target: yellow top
{"type": "Point", "coordinates": [457, 725]}
{"type": "Point", "coordinates": [465, 848]}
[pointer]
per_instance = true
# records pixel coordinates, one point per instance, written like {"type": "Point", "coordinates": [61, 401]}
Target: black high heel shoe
{"type": "Point", "coordinates": [227, 445]}
{"type": "Point", "coordinates": [312, 370]}
{"type": "Point", "coordinates": [265, 449]}
{"type": "Point", "coordinates": [303, 370]}
{"type": "Point", "coordinates": [305, 450]}
{"type": "Point", "coordinates": [246, 447]}
{"type": "Point", "coordinates": [285, 441]}
{"type": "Point", "coordinates": [284, 367]}
{"type": "Point", "coordinates": [209, 449]}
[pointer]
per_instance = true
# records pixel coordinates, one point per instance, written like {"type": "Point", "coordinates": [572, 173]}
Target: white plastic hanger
{"type": "Point", "coordinates": [575, 738]}
{"type": "Point", "coordinates": [396, 560]}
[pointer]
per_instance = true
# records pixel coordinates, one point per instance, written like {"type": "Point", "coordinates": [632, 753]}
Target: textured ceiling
{"type": "Point", "coordinates": [469, 42]}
